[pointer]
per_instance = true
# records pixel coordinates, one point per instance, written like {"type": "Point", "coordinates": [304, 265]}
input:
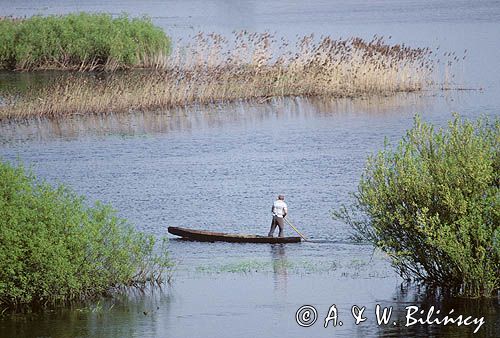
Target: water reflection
{"type": "Point", "coordinates": [406, 296]}
{"type": "Point", "coordinates": [199, 118]}
{"type": "Point", "coordinates": [280, 267]}
{"type": "Point", "coordinates": [133, 314]}
{"type": "Point", "coordinates": [202, 306]}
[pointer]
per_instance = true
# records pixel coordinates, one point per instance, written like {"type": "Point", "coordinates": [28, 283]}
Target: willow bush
{"type": "Point", "coordinates": [55, 248]}
{"type": "Point", "coordinates": [433, 205]}
{"type": "Point", "coordinates": [80, 41]}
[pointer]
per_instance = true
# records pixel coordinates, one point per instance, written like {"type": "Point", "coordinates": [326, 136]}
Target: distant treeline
{"type": "Point", "coordinates": [80, 41]}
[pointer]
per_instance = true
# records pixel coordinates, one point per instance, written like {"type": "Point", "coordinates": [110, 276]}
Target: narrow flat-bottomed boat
{"type": "Point", "coordinates": [209, 236]}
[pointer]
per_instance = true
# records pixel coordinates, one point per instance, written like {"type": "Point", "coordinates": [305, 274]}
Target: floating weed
{"type": "Point", "coordinates": [298, 267]}
{"type": "Point", "coordinates": [237, 267]}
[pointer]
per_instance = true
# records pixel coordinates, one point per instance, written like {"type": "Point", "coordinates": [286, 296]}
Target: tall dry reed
{"type": "Point", "coordinates": [214, 69]}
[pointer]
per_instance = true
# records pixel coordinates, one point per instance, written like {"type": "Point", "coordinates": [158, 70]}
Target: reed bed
{"type": "Point", "coordinates": [212, 68]}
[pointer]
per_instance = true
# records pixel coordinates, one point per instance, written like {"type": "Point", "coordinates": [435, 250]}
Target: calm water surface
{"type": "Point", "coordinates": [219, 168]}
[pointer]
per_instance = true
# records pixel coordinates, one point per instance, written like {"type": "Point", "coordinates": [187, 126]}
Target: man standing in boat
{"type": "Point", "coordinates": [279, 211]}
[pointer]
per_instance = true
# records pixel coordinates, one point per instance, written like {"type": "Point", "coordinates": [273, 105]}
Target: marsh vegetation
{"type": "Point", "coordinates": [56, 249]}
{"type": "Point", "coordinates": [432, 204]}
{"type": "Point", "coordinates": [213, 69]}
{"type": "Point", "coordinates": [81, 42]}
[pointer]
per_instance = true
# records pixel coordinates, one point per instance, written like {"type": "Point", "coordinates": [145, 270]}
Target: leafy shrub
{"type": "Point", "coordinates": [433, 205]}
{"type": "Point", "coordinates": [80, 41]}
{"type": "Point", "coordinates": [54, 248]}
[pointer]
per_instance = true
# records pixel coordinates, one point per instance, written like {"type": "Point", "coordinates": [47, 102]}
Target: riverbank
{"type": "Point", "coordinates": [212, 69]}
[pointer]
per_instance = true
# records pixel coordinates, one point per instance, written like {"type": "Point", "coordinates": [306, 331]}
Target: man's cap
{"type": "Point", "coordinates": [281, 196]}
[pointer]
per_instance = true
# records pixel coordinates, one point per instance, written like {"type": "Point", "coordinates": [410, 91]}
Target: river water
{"type": "Point", "coordinates": [220, 168]}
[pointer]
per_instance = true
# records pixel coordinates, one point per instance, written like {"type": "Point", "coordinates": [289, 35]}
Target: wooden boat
{"type": "Point", "coordinates": [209, 236]}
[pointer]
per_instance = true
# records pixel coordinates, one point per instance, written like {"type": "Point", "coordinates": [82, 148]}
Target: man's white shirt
{"type": "Point", "coordinates": [280, 208]}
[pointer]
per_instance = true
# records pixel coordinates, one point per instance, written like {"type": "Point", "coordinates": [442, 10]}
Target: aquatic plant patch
{"type": "Point", "coordinates": [212, 69]}
{"type": "Point", "coordinates": [81, 41]}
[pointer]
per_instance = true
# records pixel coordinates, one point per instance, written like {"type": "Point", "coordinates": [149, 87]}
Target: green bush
{"type": "Point", "coordinates": [433, 205]}
{"type": "Point", "coordinates": [54, 248]}
{"type": "Point", "coordinates": [80, 41]}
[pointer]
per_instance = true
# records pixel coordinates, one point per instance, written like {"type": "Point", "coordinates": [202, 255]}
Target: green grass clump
{"type": "Point", "coordinates": [81, 41]}
{"type": "Point", "coordinates": [54, 248]}
{"type": "Point", "coordinates": [433, 205]}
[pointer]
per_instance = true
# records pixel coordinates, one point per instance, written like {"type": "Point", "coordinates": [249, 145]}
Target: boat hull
{"type": "Point", "coordinates": [209, 236]}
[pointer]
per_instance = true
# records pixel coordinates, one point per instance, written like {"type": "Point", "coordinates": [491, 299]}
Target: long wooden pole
{"type": "Point", "coordinates": [294, 228]}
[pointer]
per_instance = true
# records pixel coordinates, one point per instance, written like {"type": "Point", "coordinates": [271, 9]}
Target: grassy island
{"type": "Point", "coordinates": [80, 42]}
